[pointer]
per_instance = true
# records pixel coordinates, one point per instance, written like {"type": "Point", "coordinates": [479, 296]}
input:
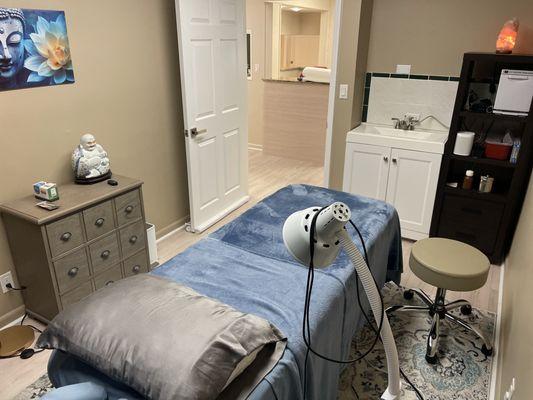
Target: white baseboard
{"type": "Point", "coordinates": [497, 337]}
{"type": "Point", "coordinates": [172, 232]}
{"type": "Point", "coordinates": [13, 323]}
{"type": "Point", "coordinates": [255, 147]}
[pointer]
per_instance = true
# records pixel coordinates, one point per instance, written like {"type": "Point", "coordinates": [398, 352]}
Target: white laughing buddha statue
{"type": "Point", "coordinates": [89, 161]}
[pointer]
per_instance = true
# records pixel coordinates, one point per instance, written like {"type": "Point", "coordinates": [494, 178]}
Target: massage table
{"type": "Point", "coordinates": [245, 264]}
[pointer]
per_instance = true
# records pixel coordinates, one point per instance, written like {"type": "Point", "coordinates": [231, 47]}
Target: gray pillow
{"type": "Point", "coordinates": [167, 341]}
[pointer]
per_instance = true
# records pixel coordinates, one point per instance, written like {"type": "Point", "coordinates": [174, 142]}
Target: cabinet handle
{"type": "Point", "coordinates": [394, 160]}
{"type": "Point", "coordinates": [133, 239]}
{"type": "Point", "coordinates": [73, 272]}
{"type": "Point", "coordinates": [65, 237]}
{"type": "Point", "coordinates": [99, 222]}
{"type": "Point", "coordinates": [105, 254]}
{"type": "Point", "coordinates": [129, 209]}
{"type": "Point", "coordinates": [136, 269]}
{"type": "Point", "coordinates": [385, 158]}
{"type": "Point", "coordinates": [109, 283]}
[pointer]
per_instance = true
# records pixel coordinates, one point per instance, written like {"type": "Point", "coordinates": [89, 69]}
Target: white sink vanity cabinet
{"type": "Point", "coordinates": [399, 167]}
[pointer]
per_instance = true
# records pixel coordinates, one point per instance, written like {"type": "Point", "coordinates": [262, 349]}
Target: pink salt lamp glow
{"type": "Point", "coordinates": [507, 37]}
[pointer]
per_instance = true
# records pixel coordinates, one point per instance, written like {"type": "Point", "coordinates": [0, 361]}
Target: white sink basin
{"type": "Point", "coordinates": [382, 135]}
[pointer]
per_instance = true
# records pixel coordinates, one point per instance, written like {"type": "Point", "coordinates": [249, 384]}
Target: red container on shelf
{"type": "Point", "coordinates": [497, 150]}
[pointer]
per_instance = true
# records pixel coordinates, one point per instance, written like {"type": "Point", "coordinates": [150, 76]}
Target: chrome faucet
{"type": "Point", "coordinates": [408, 123]}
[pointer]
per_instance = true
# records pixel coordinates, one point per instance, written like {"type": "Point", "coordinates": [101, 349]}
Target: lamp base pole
{"type": "Point", "coordinates": [389, 396]}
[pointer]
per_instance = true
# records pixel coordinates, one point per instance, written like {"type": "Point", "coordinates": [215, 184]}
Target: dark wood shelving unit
{"type": "Point", "coordinates": [474, 194]}
{"type": "Point", "coordinates": [485, 161]}
{"type": "Point", "coordinates": [484, 220]}
{"type": "Point", "coordinates": [491, 116]}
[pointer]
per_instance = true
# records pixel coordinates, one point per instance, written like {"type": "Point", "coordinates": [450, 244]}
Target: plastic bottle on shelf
{"type": "Point", "coordinates": [468, 181]}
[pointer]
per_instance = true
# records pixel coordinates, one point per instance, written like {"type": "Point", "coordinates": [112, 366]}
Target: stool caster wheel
{"type": "Point", "coordinates": [487, 352]}
{"type": "Point", "coordinates": [466, 309]}
{"type": "Point", "coordinates": [431, 360]}
{"type": "Point", "coordinates": [408, 295]}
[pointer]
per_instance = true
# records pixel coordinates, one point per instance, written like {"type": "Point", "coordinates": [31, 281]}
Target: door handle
{"type": "Point", "coordinates": [394, 160]}
{"type": "Point", "coordinates": [195, 132]}
{"type": "Point", "coordinates": [385, 158]}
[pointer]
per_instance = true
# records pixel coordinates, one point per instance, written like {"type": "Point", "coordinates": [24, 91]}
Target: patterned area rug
{"type": "Point", "coordinates": [462, 372]}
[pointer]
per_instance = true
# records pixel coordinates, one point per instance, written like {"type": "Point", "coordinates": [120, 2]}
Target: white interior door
{"type": "Point", "coordinates": [212, 45]}
{"type": "Point", "coordinates": [366, 170]}
{"type": "Point", "coordinates": [412, 187]}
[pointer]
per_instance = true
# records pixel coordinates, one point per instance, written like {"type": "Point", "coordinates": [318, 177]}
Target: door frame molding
{"type": "Point", "coordinates": [332, 90]}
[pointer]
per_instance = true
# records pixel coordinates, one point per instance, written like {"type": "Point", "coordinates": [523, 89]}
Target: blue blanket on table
{"type": "Point", "coordinates": [246, 265]}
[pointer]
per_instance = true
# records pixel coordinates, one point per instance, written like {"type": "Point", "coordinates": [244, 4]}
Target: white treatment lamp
{"type": "Point", "coordinates": [330, 235]}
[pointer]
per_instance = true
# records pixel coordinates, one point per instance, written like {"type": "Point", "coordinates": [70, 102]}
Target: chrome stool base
{"type": "Point", "coordinates": [440, 311]}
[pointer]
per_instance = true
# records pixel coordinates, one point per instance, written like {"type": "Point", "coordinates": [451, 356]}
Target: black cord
{"type": "Point", "coordinates": [31, 326]}
{"type": "Point", "coordinates": [306, 331]}
{"type": "Point", "coordinates": [382, 312]}
{"type": "Point", "coordinates": [10, 287]}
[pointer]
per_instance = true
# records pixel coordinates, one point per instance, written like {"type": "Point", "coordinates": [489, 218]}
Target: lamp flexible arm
{"type": "Point", "coordinates": [393, 365]}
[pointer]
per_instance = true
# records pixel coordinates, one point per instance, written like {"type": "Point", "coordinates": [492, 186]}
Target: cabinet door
{"type": "Point", "coordinates": [412, 187]}
{"type": "Point", "coordinates": [366, 170]}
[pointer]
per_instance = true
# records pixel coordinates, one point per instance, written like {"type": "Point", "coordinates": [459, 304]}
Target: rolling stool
{"type": "Point", "coordinates": [447, 265]}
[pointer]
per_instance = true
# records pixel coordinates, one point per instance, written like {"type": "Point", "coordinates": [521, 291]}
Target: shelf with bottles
{"type": "Point", "coordinates": [501, 177]}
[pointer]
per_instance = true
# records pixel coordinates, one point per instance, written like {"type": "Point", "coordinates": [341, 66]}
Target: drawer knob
{"type": "Point", "coordinates": [136, 269]}
{"type": "Point", "coordinates": [73, 272]}
{"type": "Point", "coordinates": [133, 239]}
{"type": "Point", "coordinates": [105, 254]}
{"type": "Point", "coordinates": [109, 283]}
{"type": "Point", "coordinates": [129, 209]}
{"type": "Point", "coordinates": [394, 160]}
{"type": "Point", "coordinates": [99, 222]}
{"type": "Point", "coordinates": [385, 158]}
{"type": "Point", "coordinates": [65, 237]}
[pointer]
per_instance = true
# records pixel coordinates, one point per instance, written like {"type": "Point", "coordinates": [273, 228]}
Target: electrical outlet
{"type": "Point", "coordinates": [4, 280]}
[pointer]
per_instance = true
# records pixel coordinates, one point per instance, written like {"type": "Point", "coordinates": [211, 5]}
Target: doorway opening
{"type": "Point", "coordinates": [290, 57]}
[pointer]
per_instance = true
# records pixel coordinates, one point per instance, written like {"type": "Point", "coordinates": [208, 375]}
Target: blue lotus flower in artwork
{"type": "Point", "coordinates": [49, 52]}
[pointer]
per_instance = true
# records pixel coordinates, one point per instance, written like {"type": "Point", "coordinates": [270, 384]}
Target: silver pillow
{"type": "Point", "coordinates": [167, 341]}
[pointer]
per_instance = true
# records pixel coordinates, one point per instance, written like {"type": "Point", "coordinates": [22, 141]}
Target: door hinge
{"type": "Point", "coordinates": [186, 132]}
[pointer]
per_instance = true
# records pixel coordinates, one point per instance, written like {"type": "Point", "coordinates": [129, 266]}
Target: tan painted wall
{"type": "Point", "coordinates": [432, 35]}
{"type": "Point", "coordinates": [516, 351]}
{"type": "Point", "coordinates": [127, 93]}
{"type": "Point", "coordinates": [353, 48]}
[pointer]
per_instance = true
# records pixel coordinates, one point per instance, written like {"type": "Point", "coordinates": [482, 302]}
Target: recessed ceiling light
{"type": "Point", "coordinates": [296, 9]}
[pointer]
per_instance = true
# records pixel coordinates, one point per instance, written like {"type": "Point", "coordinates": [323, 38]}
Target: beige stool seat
{"type": "Point", "coordinates": [449, 264]}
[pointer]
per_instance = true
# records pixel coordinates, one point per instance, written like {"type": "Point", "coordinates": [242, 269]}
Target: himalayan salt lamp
{"type": "Point", "coordinates": [507, 37]}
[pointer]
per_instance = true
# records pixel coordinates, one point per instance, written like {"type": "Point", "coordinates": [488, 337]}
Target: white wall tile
{"type": "Point", "coordinates": [394, 97]}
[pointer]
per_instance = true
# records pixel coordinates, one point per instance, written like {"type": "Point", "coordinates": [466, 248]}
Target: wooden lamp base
{"type": "Point", "coordinates": [15, 339]}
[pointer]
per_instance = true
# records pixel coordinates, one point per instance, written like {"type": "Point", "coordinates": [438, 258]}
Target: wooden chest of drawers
{"type": "Point", "coordinates": [95, 237]}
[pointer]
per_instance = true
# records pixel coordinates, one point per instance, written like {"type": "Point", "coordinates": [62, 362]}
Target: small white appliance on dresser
{"type": "Point", "coordinates": [399, 167]}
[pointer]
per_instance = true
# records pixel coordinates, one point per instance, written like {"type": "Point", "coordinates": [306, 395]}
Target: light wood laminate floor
{"type": "Point", "coordinates": [267, 174]}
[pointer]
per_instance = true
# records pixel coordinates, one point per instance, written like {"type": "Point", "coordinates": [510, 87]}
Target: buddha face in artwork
{"type": "Point", "coordinates": [11, 43]}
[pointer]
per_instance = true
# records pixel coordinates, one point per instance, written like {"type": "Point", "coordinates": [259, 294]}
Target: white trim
{"type": "Point", "coordinates": [172, 232]}
{"type": "Point", "coordinates": [497, 337]}
{"type": "Point", "coordinates": [13, 323]}
{"type": "Point", "coordinates": [219, 216]}
{"type": "Point", "coordinates": [332, 90]}
{"type": "Point", "coordinates": [255, 147]}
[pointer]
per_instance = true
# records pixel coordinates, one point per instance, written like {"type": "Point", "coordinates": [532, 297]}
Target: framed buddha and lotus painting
{"type": "Point", "coordinates": [34, 49]}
